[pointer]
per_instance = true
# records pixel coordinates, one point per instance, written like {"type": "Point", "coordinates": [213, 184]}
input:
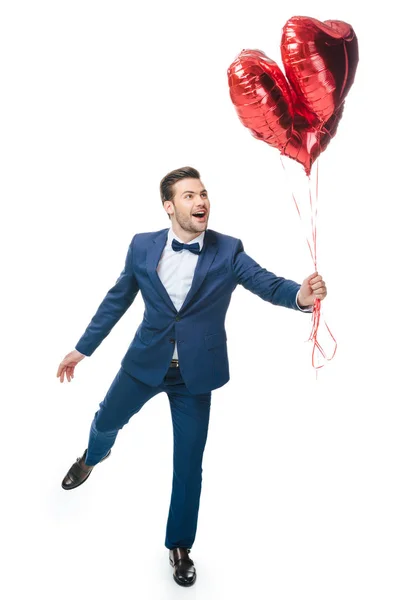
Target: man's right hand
{"type": "Point", "coordinates": [68, 364]}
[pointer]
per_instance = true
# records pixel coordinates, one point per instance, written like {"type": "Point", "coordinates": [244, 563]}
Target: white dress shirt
{"type": "Point", "coordinates": [176, 271]}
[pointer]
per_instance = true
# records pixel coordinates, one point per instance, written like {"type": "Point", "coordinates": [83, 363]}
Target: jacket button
{"type": "Point", "coordinates": [177, 318]}
{"type": "Point", "coordinates": [172, 340]}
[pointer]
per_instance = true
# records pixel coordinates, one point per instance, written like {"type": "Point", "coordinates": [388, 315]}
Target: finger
{"type": "Point", "coordinates": [318, 285]}
{"type": "Point", "coordinates": [316, 279]}
{"type": "Point", "coordinates": [321, 294]}
{"type": "Point", "coordinates": [61, 368]}
{"type": "Point", "coordinates": [310, 277]}
{"type": "Point", "coordinates": [64, 374]}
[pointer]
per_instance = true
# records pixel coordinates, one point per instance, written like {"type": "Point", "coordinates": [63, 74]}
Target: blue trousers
{"type": "Point", "coordinates": [190, 417]}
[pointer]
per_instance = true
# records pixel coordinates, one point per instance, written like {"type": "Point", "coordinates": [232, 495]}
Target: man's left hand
{"type": "Point", "coordinates": [312, 288]}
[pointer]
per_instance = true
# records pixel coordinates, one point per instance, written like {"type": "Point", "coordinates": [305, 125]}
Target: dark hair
{"type": "Point", "coordinates": [167, 182]}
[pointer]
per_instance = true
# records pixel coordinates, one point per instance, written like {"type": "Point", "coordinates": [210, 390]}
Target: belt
{"type": "Point", "coordinates": [174, 362]}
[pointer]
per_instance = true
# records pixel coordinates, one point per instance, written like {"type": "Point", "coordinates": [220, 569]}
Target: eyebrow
{"type": "Point", "coordinates": [191, 192]}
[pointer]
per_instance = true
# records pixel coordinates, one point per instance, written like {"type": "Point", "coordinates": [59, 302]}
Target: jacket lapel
{"type": "Point", "coordinates": [206, 257]}
{"type": "Point", "coordinates": [203, 264]}
{"type": "Point", "coordinates": [153, 257]}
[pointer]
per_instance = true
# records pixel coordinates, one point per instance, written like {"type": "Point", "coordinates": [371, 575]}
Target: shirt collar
{"type": "Point", "coordinates": [172, 235]}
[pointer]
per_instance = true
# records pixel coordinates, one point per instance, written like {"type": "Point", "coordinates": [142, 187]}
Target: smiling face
{"type": "Point", "coordinates": [190, 198]}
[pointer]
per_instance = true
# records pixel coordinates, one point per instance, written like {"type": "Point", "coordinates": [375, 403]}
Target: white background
{"type": "Point", "coordinates": [301, 488]}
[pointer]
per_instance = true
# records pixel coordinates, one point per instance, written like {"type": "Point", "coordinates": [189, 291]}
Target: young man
{"type": "Point", "coordinates": [186, 275]}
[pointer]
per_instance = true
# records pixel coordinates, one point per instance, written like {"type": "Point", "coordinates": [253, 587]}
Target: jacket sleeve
{"type": "Point", "coordinates": [277, 290]}
{"type": "Point", "coordinates": [114, 305]}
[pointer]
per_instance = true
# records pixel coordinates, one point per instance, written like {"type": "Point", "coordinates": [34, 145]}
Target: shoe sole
{"type": "Point", "coordinates": [86, 478]}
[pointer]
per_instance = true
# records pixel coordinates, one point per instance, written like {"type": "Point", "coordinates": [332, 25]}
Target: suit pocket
{"type": "Point", "coordinates": [215, 339]}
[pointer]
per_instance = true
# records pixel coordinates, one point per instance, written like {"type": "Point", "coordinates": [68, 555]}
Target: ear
{"type": "Point", "coordinates": [168, 207]}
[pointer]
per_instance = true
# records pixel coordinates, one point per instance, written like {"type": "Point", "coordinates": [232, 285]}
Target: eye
{"type": "Point", "coordinates": [204, 194]}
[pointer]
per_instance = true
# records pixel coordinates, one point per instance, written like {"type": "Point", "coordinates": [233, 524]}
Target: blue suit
{"type": "Point", "coordinates": [198, 327]}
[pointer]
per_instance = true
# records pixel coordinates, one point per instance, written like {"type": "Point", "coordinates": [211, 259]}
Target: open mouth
{"type": "Point", "coordinates": [200, 216]}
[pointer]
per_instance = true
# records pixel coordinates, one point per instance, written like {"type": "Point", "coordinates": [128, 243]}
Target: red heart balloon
{"type": "Point", "coordinates": [307, 142]}
{"type": "Point", "coordinates": [301, 117]}
{"type": "Point", "coordinates": [262, 97]}
{"type": "Point", "coordinates": [320, 61]}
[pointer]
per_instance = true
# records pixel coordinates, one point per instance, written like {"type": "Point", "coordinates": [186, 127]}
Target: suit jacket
{"type": "Point", "coordinates": [198, 326]}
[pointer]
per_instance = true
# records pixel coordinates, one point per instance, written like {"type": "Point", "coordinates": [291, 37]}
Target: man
{"type": "Point", "coordinates": [186, 275]}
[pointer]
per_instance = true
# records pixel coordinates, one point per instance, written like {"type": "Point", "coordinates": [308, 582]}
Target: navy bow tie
{"type": "Point", "coordinates": [195, 248]}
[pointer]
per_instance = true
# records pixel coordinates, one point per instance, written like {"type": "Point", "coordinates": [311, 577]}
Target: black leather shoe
{"type": "Point", "coordinates": [79, 472]}
{"type": "Point", "coordinates": [184, 570]}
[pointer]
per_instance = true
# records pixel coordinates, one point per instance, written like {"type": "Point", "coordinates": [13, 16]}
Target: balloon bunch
{"type": "Point", "coordinates": [298, 115]}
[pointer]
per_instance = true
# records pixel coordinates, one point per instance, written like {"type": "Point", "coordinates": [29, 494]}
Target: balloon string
{"type": "Point", "coordinates": [312, 245]}
{"type": "Point", "coordinates": [313, 225]}
{"type": "Point", "coordinates": [298, 211]}
{"type": "Point", "coordinates": [316, 316]}
{"type": "Point", "coordinates": [317, 305]}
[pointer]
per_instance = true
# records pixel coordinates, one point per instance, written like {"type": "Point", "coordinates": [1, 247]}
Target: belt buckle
{"type": "Point", "coordinates": [174, 362]}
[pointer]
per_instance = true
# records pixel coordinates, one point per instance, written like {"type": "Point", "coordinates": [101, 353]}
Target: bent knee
{"type": "Point", "coordinates": [104, 424]}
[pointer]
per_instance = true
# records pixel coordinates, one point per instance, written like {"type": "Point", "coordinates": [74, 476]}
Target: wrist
{"type": "Point", "coordinates": [300, 300]}
{"type": "Point", "coordinates": [301, 303]}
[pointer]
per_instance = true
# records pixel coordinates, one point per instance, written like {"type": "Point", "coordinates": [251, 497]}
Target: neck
{"type": "Point", "coordinates": [185, 236]}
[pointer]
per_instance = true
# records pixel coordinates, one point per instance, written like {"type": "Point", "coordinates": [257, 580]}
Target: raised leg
{"type": "Point", "coordinates": [125, 397]}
